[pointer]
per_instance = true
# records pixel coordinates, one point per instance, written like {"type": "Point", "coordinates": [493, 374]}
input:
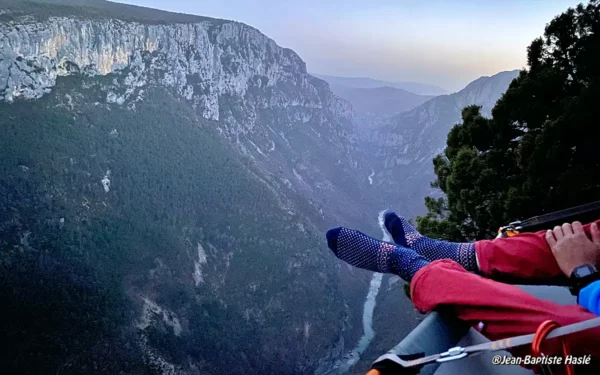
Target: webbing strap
{"type": "Point", "coordinates": [559, 215]}
{"type": "Point", "coordinates": [512, 342]}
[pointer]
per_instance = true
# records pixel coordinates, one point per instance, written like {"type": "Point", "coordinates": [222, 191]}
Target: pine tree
{"type": "Point", "coordinates": [538, 152]}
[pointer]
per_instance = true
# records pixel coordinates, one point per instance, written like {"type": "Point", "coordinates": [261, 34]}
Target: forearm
{"type": "Point", "coordinates": [523, 259]}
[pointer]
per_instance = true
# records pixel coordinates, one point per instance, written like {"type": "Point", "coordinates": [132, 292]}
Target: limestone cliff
{"type": "Point", "coordinates": [260, 93]}
{"type": "Point", "coordinates": [202, 61]}
{"type": "Point", "coordinates": [156, 136]}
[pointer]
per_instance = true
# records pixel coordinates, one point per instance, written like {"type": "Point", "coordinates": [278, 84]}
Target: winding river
{"type": "Point", "coordinates": [354, 355]}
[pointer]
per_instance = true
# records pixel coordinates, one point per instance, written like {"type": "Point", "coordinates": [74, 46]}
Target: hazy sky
{"type": "Point", "coordinates": [442, 42]}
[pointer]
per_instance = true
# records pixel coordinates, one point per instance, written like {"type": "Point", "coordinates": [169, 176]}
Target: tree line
{"type": "Point", "coordinates": [538, 152]}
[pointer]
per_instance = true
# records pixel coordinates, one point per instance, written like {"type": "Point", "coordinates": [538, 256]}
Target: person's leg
{"type": "Point", "coordinates": [523, 259]}
{"type": "Point", "coordinates": [505, 310]}
{"type": "Point", "coordinates": [362, 251]}
{"type": "Point", "coordinates": [406, 235]}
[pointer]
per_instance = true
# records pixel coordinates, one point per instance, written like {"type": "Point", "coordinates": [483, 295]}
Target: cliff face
{"type": "Point", "coordinates": [260, 93]}
{"type": "Point", "coordinates": [194, 165]}
{"type": "Point", "coordinates": [202, 61]}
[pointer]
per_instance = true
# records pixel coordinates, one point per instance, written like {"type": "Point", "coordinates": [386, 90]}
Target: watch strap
{"type": "Point", "coordinates": [580, 283]}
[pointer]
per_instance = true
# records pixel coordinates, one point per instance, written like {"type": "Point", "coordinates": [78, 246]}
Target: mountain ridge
{"type": "Point", "coordinates": [379, 101]}
{"type": "Point", "coordinates": [365, 82]}
{"type": "Point", "coordinates": [403, 147]}
{"type": "Point", "coordinates": [94, 9]}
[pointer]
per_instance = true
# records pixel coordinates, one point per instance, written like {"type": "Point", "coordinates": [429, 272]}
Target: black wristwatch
{"type": "Point", "coordinates": [582, 276]}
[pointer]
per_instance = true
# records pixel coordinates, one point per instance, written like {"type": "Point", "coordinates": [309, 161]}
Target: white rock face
{"type": "Point", "coordinates": [151, 311]}
{"type": "Point", "coordinates": [202, 61]}
{"type": "Point", "coordinates": [197, 275]}
{"type": "Point", "coordinates": [259, 95]}
{"type": "Point", "coordinates": [106, 182]}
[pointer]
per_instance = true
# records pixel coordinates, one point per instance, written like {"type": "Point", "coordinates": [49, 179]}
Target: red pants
{"type": "Point", "coordinates": [505, 309]}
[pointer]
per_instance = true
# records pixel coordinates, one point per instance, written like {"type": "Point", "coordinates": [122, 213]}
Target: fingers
{"type": "Point", "coordinates": [595, 233]}
{"type": "Point", "coordinates": [558, 233]}
{"type": "Point", "coordinates": [577, 228]}
{"type": "Point", "coordinates": [550, 238]}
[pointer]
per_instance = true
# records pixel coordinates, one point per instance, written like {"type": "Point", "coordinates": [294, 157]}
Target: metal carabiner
{"type": "Point", "coordinates": [452, 354]}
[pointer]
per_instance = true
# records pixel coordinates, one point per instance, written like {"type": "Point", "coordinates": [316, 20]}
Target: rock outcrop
{"type": "Point", "coordinates": [202, 61]}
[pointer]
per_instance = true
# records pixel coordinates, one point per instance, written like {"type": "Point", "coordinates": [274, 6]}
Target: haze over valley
{"type": "Point", "coordinates": [167, 176]}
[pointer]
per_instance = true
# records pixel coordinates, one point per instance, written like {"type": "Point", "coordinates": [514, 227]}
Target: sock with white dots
{"type": "Point", "coordinates": [362, 251]}
{"type": "Point", "coordinates": [404, 234]}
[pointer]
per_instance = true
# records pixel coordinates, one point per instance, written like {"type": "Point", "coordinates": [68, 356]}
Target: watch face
{"type": "Point", "coordinates": [583, 271]}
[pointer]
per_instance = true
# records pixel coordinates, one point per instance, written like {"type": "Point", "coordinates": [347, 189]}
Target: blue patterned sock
{"type": "Point", "coordinates": [405, 235]}
{"type": "Point", "coordinates": [362, 251]}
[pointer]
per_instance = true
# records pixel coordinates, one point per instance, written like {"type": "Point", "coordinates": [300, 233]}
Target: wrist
{"type": "Point", "coordinates": [569, 268]}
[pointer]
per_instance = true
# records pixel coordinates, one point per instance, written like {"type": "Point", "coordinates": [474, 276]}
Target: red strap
{"type": "Point", "coordinates": [541, 333]}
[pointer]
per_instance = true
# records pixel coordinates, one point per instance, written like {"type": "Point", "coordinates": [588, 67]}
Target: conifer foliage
{"type": "Point", "coordinates": [539, 151]}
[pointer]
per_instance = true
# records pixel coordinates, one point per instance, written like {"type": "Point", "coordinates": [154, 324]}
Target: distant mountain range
{"type": "Point", "coordinates": [369, 83]}
{"type": "Point", "coordinates": [380, 101]}
{"type": "Point", "coordinates": [402, 148]}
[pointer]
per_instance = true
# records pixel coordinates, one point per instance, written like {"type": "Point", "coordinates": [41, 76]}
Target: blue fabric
{"type": "Point", "coordinates": [589, 297]}
{"type": "Point", "coordinates": [362, 251]}
{"type": "Point", "coordinates": [405, 235]}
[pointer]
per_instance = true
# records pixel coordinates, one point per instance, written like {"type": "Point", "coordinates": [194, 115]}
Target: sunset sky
{"type": "Point", "coordinates": [441, 42]}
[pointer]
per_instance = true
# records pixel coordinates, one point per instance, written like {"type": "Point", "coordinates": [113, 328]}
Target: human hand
{"type": "Point", "coordinates": [572, 248]}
